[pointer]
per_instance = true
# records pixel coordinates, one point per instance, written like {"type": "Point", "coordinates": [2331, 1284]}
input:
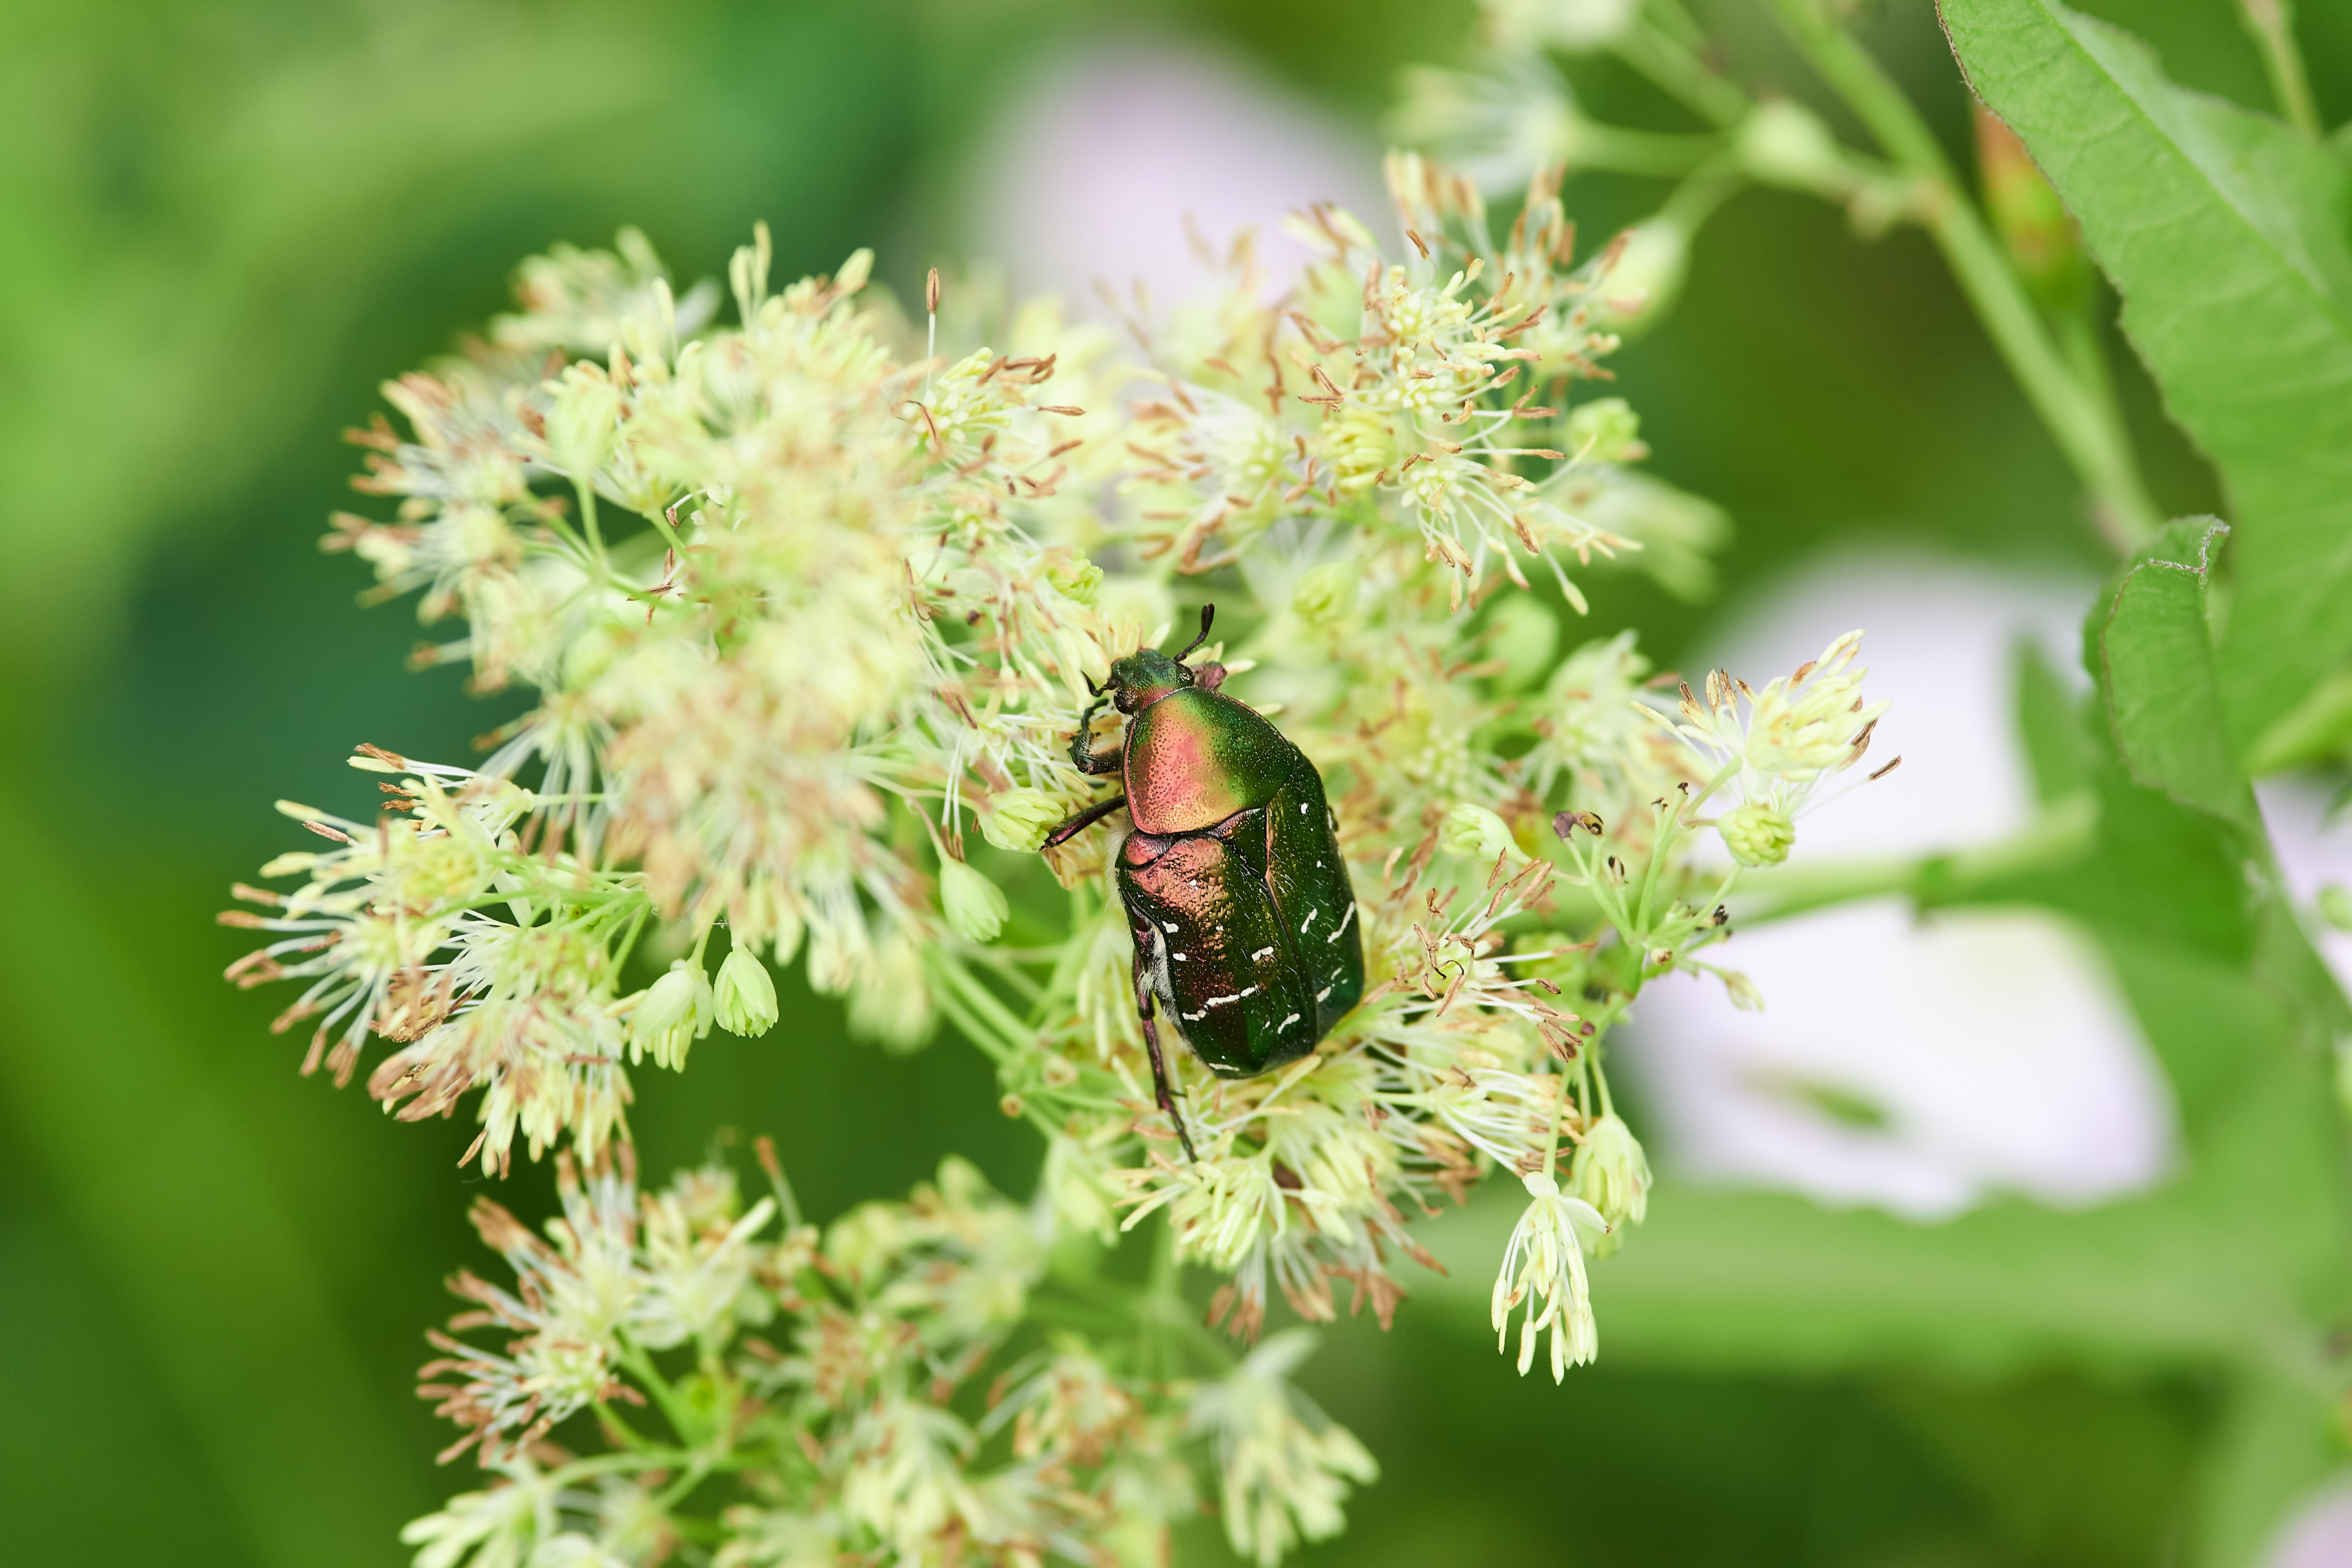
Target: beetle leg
{"type": "Point", "coordinates": [1082, 744]}
{"type": "Point", "coordinates": [1167, 1101]}
{"type": "Point", "coordinates": [1083, 821]}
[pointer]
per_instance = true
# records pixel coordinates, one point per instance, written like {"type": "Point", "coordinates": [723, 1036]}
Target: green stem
{"type": "Point", "coordinates": [1677, 70]}
{"type": "Point", "coordinates": [641, 1367]}
{"type": "Point", "coordinates": [2065, 832]}
{"type": "Point", "coordinates": [596, 535]}
{"type": "Point", "coordinates": [2088, 433]}
{"type": "Point", "coordinates": [1663, 155]}
{"type": "Point", "coordinates": [2272, 22]}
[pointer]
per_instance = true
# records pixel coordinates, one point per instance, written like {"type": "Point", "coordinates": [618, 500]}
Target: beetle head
{"type": "Point", "coordinates": [1146, 676]}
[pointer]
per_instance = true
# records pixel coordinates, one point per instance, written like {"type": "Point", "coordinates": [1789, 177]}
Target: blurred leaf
{"type": "Point", "coordinates": [2276, 1446]}
{"type": "Point", "coordinates": [2149, 647]}
{"type": "Point", "coordinates": [2225, 234]}
{"type": "Point", "coordinates": [180, 1206]}
{"type": "Point", "coordinates": [2073, 1473]}
{"type": "Point", "coordinates": [2050, 724]}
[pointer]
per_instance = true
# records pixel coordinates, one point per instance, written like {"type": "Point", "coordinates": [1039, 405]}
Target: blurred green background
{"type": "Point", "coordinates": [221, 225]}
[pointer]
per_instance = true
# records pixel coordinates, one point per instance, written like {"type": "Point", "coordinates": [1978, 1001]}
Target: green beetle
{"type": "Point", "coordinates": [1237, 894]}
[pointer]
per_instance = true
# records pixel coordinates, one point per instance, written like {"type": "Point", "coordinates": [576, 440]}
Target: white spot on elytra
{"type": "Point", "coordinates": [1288, 1022]}
{"type": "Point", "coordinates": [1343, 926]}
{"type": "Point", "coordinates": [1326, 992]}
{"type": "Point", "coordinates": [1302, 809]}
{"type": "Point", "coordinates": [1261, 955]}
{"type": "Point", "coordinates": [1182, 959]}
{"type": "Point", "coordinates": [1307, 922]}
{"type": "Point", "coordinates": [1167, 926]}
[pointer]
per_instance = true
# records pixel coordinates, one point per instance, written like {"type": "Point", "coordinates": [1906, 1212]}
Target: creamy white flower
{"type": "Point", "coordinates": [744, 997]}
{"type": "Point", "coordinates": [975, 906]}
{"type": "Point", "coordinates": [1286, 1468]}
{"type": "Point", "coordinates": [1544, 1269]}
{"type": "Point", "coordinates": [1611, 1173]}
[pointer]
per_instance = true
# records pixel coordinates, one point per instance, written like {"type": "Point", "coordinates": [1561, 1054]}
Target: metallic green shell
{"type": "Point", "coordinates": [1193, 758]}
{"type": "Point", "coordinates": [1249, 928]}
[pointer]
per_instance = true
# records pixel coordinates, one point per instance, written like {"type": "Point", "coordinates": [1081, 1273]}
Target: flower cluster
{"type": "Point", "coordinates": [802, 601]}
{"type": "Point", "coordinates": [779, 1396]}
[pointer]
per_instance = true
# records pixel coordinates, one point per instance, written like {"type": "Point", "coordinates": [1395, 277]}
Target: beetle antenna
{"type": "Point", "coordinates": [1092, 689]}
{"type": "Point", "coordinates": [1208, 613]}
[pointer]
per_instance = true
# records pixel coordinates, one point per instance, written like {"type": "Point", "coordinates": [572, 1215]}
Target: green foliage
{"type": "Point", "coordinates": [2225, 234]}
{"type": "Point", "coordinates": [2148, 647]}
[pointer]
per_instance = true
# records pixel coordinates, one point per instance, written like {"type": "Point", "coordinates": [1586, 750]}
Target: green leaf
{"type": "Point", "coordinates": [2226, 234]}
{"type": "Point", "coordinates": [2050, 724]}
{"type": "Point", "coordinates": [2147, 645]}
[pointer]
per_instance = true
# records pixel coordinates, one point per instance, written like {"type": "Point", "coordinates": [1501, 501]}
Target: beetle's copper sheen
{"type": "Point", "coordinates": [1244, 919]}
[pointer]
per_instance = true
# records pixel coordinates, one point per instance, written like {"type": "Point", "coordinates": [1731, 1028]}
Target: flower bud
{"type": "Point", "coordinates": [1077, 578]}
{"type": "Point", "coordinates": [581, 421]}
{"type": "Point", "coordinates": [1612, 1174]}
{"type": "Point", "coordinates": [1605, 430]}
{"type": "Point", "coordinates": [2033, 224]}
{"type": "Point", "coordinates": [1571, 26]}
{"type": "Point", "coordinates": [1326, 593]}
{"type": "Point", "coordinates": [1474, 833]}
{"type": "Point", "coordinates": [1757, 835]}
{"type": "Point", "coordinates": [1073, 1183]}
{"type": "Point", "coordinates": [1019, 820]}
{"type": "Point", "coordinates": [974, 905]}
{"type": "Point", "coordinates": [745, 997]}
{"type": "Point", "coordinates": [675, 1011]}
{"type": "Point", "coordinates": [1524, 635]}
{"type": "Point", "coordinates": [1782, 142]}
{"type": "Point", "coordinates": [2336, 905]}
{"type": "Point", "coordinates": [889, 1003]}
{"type": "Point", "coordinates": [1646, 275]}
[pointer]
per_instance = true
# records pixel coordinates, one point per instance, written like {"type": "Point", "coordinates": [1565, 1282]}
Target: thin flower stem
{"type": "Point", "coordinates": [1676, 69]}
{"type": "Point", "coordinates": [641, 1367]}
{"type": "Point", "coordinates": [2087, 432]}
{"type": "Point", "coordinates": [1659, 153]}
{"type": "Point", "coordinates": [2273, 24]}
{"type": "Point", "coordinates": [1559, 1108]}
{"type": "Point", "coordinates": [587, 495]}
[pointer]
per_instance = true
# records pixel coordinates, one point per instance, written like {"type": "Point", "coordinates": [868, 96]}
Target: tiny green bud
{"type": "Point", "coordinates": [2033, 223]}
{"type": "Point", "coordinates": [974, 905]}
{"type": "Point", "coordinates": [889, 1003]}
{"type": "Point", "coordinates": [1757, 835]}
{"type": "Point", "coordinates": [1782, 142]}
{"type": "Point", "coordinates": [1326, 593]}
{"type": "Point", "coordinates": [1612, 1174]}
{"type": "Point", "coordinates": [581, 421]}
{"type": "Point", "coordinates": [1742, 991]}
{"type": "Point", "coordinates": [1019, 820]}
{"type": "Point", "coordinates": [1571, 26]}
{"type": "Point", "coordinates": [1074, 1185]}
{"type": "Point", "coordinates": [1474, 833]}
{"type": "Point", "coordinates": [1525, 635]}
{"type": "Point", "coordinates": [1646, 275]}
{"type": "Point", "coordinates": [1605, 430]}
{"type": "Point", "coordinates": [745, 996]}
{"type": "Point", "coordinates": [675, 1011]}
{"type": "Point", "coordinates": [2336, 905]}
{"type": "Point", "coordinates": [1077, 578]}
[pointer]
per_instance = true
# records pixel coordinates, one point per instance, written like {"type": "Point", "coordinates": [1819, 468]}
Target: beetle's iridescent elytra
{"type": "Point", "coordinates": [1244, 919]}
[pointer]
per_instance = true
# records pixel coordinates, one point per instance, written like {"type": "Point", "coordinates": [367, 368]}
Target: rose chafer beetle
{"type": "Point", "coordinates": [1237, 896]}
